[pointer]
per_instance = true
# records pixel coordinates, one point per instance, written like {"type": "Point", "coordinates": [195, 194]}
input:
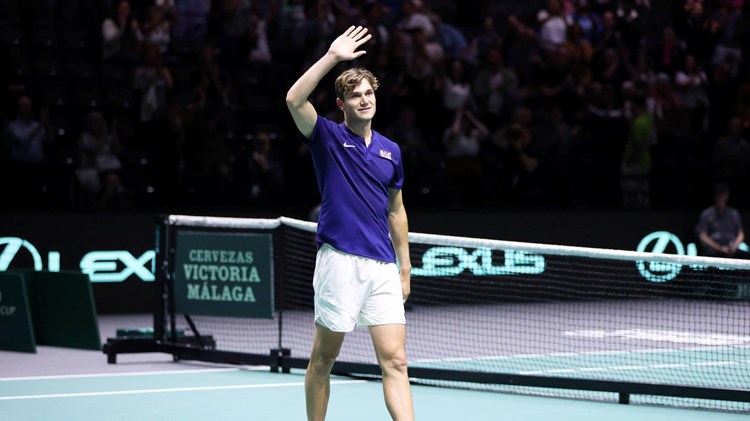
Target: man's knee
{"type": "Point", "coordinates": [394, 362]}
{"type": "Point", "coordinates": [323, 357]}
{"type": "Point", "coordinates": [326, 347]}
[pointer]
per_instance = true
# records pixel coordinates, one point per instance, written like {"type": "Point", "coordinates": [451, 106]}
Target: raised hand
{"type": "Point", "coordinates": [344, 47]}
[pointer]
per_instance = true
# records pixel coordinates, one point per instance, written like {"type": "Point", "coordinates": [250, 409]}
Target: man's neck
{"type": "Point", "coordinates": [363, 129]}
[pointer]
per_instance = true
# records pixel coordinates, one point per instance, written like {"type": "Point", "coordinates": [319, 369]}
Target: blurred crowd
{"type": "Point", "coordinates": [141, 104]}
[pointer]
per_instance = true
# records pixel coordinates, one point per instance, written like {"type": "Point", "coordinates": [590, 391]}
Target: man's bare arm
{"type": "Point", "coordinates": [342, 48]}
{"type": "Point", "coordinates": [398, 226]}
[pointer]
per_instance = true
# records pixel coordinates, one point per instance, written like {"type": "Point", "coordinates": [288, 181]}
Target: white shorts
{"type": "Point", "coordinates": [354, 291]}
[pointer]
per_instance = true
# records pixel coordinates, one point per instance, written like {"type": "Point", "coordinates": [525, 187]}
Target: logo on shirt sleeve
{"type": "Point", "coordinates": [385, 154]}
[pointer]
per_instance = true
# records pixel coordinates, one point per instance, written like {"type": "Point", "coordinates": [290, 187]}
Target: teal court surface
{"type": "Point", "coordinates": [66, 384]}
{"type": "Point", "coordinates": [195, 392]}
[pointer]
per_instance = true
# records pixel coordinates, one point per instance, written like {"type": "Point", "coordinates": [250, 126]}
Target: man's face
{"type": "Point", "coordinates": [722, 199]}
{"type": "Point", "coordinates": [24, 108]}
{"type": "Point", "coordinates": [359, 104]}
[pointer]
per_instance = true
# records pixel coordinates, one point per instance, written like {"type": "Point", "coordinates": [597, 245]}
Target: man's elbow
{"type": "Point", "coordinates": [293, 102]}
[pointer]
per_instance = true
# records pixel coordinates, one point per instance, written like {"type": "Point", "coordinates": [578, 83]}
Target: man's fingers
{"type": "Point", "coordinates": [364, 40]}
{"type": "Point", "coordinates": [359, 32]}
{"type": "Point", "coordinates": [349, 31]}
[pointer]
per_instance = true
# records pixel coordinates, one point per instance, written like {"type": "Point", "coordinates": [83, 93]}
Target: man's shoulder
{"type": "Point", "coordinates": [734, 212]}
{"type": "Point", "coordinates": [324, 127]}
{"type": "Point", "coordinates": [708, 212]}
{"type": "Point", "coordinates": [385, 139]}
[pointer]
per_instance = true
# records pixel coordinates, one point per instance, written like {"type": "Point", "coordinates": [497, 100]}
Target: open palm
{"type": "Point", "coordinates": [344, 47]}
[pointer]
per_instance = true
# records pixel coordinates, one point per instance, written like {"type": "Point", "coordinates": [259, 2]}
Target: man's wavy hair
{"type": "Point", "coordinates": [351, 78]}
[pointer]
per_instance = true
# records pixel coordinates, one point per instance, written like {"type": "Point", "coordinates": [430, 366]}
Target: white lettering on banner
{"type": "Point", "coordinates": [214, 292]}
{"type": "Point", "coordinates": [101, 266]}
{"type": "Point", "coordinates": [451, 261]}
{"type": "Point", "coordinates": [666, 242]}
{"type": "Point", "coordinates": [12, 247]}
{"type": "Point", "coordinates": [7, 310]}
{"type": "Point", "coordinates": [220, 256]}
{"type": "Point", "coordinates": [221, 273]}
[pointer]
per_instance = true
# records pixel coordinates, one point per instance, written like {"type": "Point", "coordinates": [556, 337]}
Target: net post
{"type": "Point", "coordinates": [277, 359]}
{"type": "Point", "coordinates": [169, 279]}
{"type": "Point", "coordinates": [624, 398]}
{"type": "Point", "coordinates": [279, 243]}
{"type": "Point", "coordinates": [162, 273]}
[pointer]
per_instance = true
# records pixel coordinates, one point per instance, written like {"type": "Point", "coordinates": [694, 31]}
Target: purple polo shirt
{"type": "Point", "coordinates": [354, 181]}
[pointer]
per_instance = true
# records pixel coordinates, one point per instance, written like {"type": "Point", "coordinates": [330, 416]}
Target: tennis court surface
{"type": "Point", "coordinates": [66, 384]}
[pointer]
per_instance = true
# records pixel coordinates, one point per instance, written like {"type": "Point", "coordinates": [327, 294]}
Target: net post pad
{"type": "Point", "coordinates": [277, 359]}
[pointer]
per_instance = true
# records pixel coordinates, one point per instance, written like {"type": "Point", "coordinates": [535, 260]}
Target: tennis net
{"type": "Point", "coordinates": [508, 316]}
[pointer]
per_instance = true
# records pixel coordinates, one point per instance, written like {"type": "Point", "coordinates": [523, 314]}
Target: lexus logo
{"type": "Point", "coordinates": [660, 242]}
{"type": "Point", "coordinates": [12, 246]}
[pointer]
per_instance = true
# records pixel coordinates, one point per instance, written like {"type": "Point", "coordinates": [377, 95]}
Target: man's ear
{"type": "Point", "coordinates": [340, 103]}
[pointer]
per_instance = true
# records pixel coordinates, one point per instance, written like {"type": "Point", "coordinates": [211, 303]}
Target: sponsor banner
{"type": "Point", "coordinates": [221, 274]}
{"type": "Point", "coordinates": [117, 250]}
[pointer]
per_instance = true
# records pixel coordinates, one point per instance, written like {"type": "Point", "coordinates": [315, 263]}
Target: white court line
{"type": "Point", "coordinates": [584, 353]}
{"type": "Point", "coordinates": [169, 390]}
{"type": "Point", "coordinates": [133, 373]}
{"type": "Point", "coordinates": [632, 367]}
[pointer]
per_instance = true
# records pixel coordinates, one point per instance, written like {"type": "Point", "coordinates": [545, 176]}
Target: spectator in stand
{"type": "Point", "coordinates": [236, 25]}
{"type": "Point", "coordinates": [635, 181]}
{"type": "Point", "coordinates": [699, 39]}
{"type": "Point", "coordinates": [731, 158]}
{"type": "Point", "coordinates": [260, 51]}
{"type": "Point", "coordinates": [191, 18]}
{"type": "Point", "coordinates": [690, 84]}
{"type": "Point", "coordinates": [113, 195]}
{"type": "Point", "coordinates": [451, 40]}
{"type": "Point", "coordinates": [24, 140]}
{"type": "Point", "coordinates": [720, 227]}
{"type": "Point", "coordinates": [670, 52]}
{"type": "Point", "coordinates": [486, 40]}
{"type": "Point", "coordinates": [98, 149]}
{"type": "Point", "coordinates": [630, 15]}
{"type": "Point", "coordinates": [590, 23]}
{"type": "Point", "coordinates": [414, 149]}
{"type": "Point", "coordinates": [727, 26]}
{"type": "Point", "coordinates": [456, 87]}
{"type": "Point", "coordinates": [214, 84]}
{"type": "Point", "coordinates": [415, 18]}
{"type": "Point", "coordinates": [580, 53]}
{"type": "Point", "coordinates": [153, 79]}
{"type": "Point", "coordinates": [606, 128]}
{"type": "Point", "coordinates": [120, 36]}
{"type": "Point", "coordinates": [495, 88]}
{"type": "Point", "coordinates": [524, 54]}
{"type": "Point", "coordinates": [259, 174]}
{"type": "Point", "coordinates": [610, 37]}
{"type": "Point", "coordinates": [553, 25]}
{"type": "Point", "coordinates": [462, 142]}
{"type": "Point", "coordinates": [374, 19]}
{"type": "Point", "coordinates": [421, 44]}
{"type": "Point", "coordinates": [156, 30]}
{"type": "Point", "coordinates": [610, 67]}
{"type": "Point", "coordinates": [664, 106]}
{"type": "Point", "coordinates": [524, 158]}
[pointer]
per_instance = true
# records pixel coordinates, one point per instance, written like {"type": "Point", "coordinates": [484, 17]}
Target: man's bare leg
{"type": "Point", "coordinates": [390, 342]}
{"type": "Point", "coordinates": [326, 347]}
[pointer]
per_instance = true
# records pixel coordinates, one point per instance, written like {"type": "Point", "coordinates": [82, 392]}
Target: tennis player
{"type": "Point", "coordinates": [362, 229]}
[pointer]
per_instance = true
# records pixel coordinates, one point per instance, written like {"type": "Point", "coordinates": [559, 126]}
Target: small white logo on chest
{"type": "Point", "coordinates": [385, 154]}
{"type": "Point", "coordinates": [349, 145]}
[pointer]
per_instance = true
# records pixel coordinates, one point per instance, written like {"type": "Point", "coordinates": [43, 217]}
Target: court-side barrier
{"type": "Point", "coordinates": [47, 308]}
